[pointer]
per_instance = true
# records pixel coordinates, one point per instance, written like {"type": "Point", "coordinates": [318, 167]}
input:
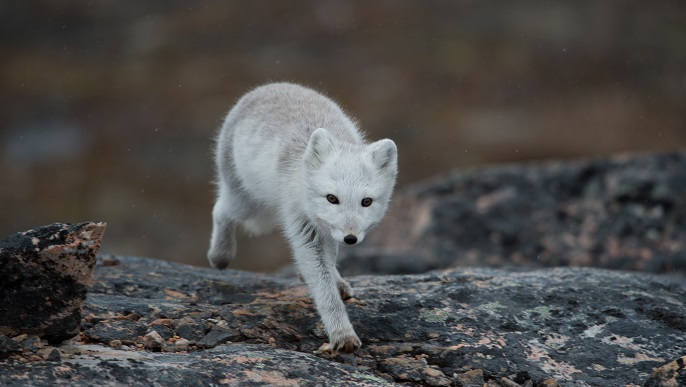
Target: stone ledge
{"type": "Point", "coordinates": [468, 325]}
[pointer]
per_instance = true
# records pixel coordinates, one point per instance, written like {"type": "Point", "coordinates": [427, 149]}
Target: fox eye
{"type": "Point", "coordinates": [332, 199]}
{"type": "Point", "coordinates": [366, 202]}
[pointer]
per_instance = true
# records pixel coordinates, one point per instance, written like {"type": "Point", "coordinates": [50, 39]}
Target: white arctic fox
{"type": "Point", "coordinates": [289, 157]}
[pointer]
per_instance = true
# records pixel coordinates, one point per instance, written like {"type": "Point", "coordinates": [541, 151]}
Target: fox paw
{"type": "Point", "coordinates": [219, 260]}
{"type": "Point", "coordinates": [347, 343]}
{"type": "Point", "coordinates": [345, 290]}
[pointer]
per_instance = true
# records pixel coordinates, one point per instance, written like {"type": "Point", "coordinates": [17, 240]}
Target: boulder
{"type": "Point", "coordinates": [44, 275]}
{"type": "Point", "coordinates": [459, 326]}
{"type": "Point", "coordinates": [623, 212]}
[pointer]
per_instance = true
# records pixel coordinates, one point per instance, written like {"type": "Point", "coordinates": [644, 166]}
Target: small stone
{"type": "Point", "coordinates": [404, 368]}
{"type": "Point", "coordinates": [181, 345]}
{"type": "Point", "coordinates": [218, 335]}
{"type": "Point", "coordinates": [164, 331]}
{"type": "Point", "coordinates": [107, 330]}
{"type": "Point", "coordinates": [32, 343]}
{"type": "Point", "coordinates": [505, 382]}
{"type": "Point", "coordinates": [473, 378]}
{"type": "Point", "coordinates": [116, 344]}
{"type": "Point", "coordinates": [20, 338]}
{"type": "Point", "coordinates": [8, 346]}
{"type": "Point", "coordinates": [50, 354]}
{"type": "Point", "coordinates": [163, 321]}
{"type": "Point", "coordinates": [435, 377]}
{"type": "Point", "coordinates": [324, 349]}
{"type": "Point", "coordinates": [153, 341]}
{"type": "Point", "coordinates": [190, 329]}
{"type": "Point", "coordinates": [34, 358]}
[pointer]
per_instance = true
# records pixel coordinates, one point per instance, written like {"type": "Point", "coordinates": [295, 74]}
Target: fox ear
{"type": "Point", "coordinates": [319, 147]}
{"type": "Point", "coordinates": [385, 155]}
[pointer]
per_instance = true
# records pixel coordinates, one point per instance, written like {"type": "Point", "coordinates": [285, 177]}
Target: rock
{"type": "Point", "coordinates": [31, 343]}
{"type": "Point", "coordinates": [164, 331]}
{"type": "Point", "coordinates": [624, 212]}
{"type": "Point", "coordinates": [549, 326]}
{"type": "Point", "coordinates": [190, 329]}
{"type": "Point", "coordinates": [473, 378]}
{"type": "Point", "coordinates": [180, 345]}
{"type": "Point", "coordinates": [45, 273]}
{"type": "Point", "coordinates": [110, 330]}
{"type": "Point", "coordinates": [153, 341]}
{"type": "Point", "coordinates": [50, 354]}
{"type": "Point", "coordinates": [413, 370]}
{"type": "Point", "coordinates": [218, 335]}
{"type": "Point", "coordinates": [8, 346]}
{"type": "Point", "coordinates": [116, 344]}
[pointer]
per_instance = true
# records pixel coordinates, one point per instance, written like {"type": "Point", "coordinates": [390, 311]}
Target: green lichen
{"type": "Point", "coordinates": [435, 315]}
{"type": "Point", "coordinates": [492, 307]}
{"type": "Point", "coordinates": [542, 312]}
{"type": "Point", "coordinates": [359, 375]}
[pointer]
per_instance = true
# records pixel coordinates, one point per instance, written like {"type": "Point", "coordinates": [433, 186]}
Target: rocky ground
{"type": "Point", "coordinates": [428, 308]}
{"type": "Point", "coordinates": [153, 322]}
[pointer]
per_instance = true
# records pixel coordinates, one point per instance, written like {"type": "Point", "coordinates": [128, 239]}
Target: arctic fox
{"type": "Point", "coordinates": [289, 157]}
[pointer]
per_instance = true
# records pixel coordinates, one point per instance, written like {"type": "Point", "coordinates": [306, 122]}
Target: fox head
{"type": "Point", "coordinates": [348, 185]}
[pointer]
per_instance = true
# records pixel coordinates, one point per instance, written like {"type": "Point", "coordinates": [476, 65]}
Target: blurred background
{"type": "Point", "coordinates": [108, 108]}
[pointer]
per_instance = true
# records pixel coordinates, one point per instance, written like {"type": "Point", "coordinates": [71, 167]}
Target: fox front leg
{"type": "Point", "coordinates": [314, 260]}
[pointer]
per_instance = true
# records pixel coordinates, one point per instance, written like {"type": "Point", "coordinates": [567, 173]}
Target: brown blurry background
{"type": "Point", "coordinates": [108, 108]}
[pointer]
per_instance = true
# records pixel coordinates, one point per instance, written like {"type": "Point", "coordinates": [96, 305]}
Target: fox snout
{"type": "Point", "coordinates": [350, 239]}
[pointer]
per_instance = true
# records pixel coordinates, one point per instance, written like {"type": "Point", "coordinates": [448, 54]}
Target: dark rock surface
{"type": "Point", "coordinates": [44, 275]}
{"type": "Point", "coordinates": [624, 212]}
{"type": "Point", "coordinates": [460, 327]}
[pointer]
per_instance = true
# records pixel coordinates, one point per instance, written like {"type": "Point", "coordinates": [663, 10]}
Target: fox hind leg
{"type": "Point", "coordinates": [223, 242]}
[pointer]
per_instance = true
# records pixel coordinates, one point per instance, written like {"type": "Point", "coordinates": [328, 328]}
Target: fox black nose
{"type": "Point", "coordinates": [350, 239]}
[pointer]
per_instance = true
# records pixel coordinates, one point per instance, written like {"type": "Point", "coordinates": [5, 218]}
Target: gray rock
{"type": "Point", "coordinates": [8, 346]}
{"type": "Point", "coordinates": [218, 335]}
{"type": "Point", "coordinates": [51, 354]}
{"type": "Point", "coordinates": [190, 329]}
{"type": "Point", "coordinates": [45, 273]}
{"type": "Point", "coordinates": [624, 212]}
{"type": "Point", "coordinates": [164, 331]}
{"type": "Point", "coordinates": [108, 330]}
{"type": "Point", "coordinates": [153, 341]}
{"type": "Point", "coordinates": [564, 326]}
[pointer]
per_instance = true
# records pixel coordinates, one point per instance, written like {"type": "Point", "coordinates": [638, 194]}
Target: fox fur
{"type": "Point", "coordinates": [288, 157]}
